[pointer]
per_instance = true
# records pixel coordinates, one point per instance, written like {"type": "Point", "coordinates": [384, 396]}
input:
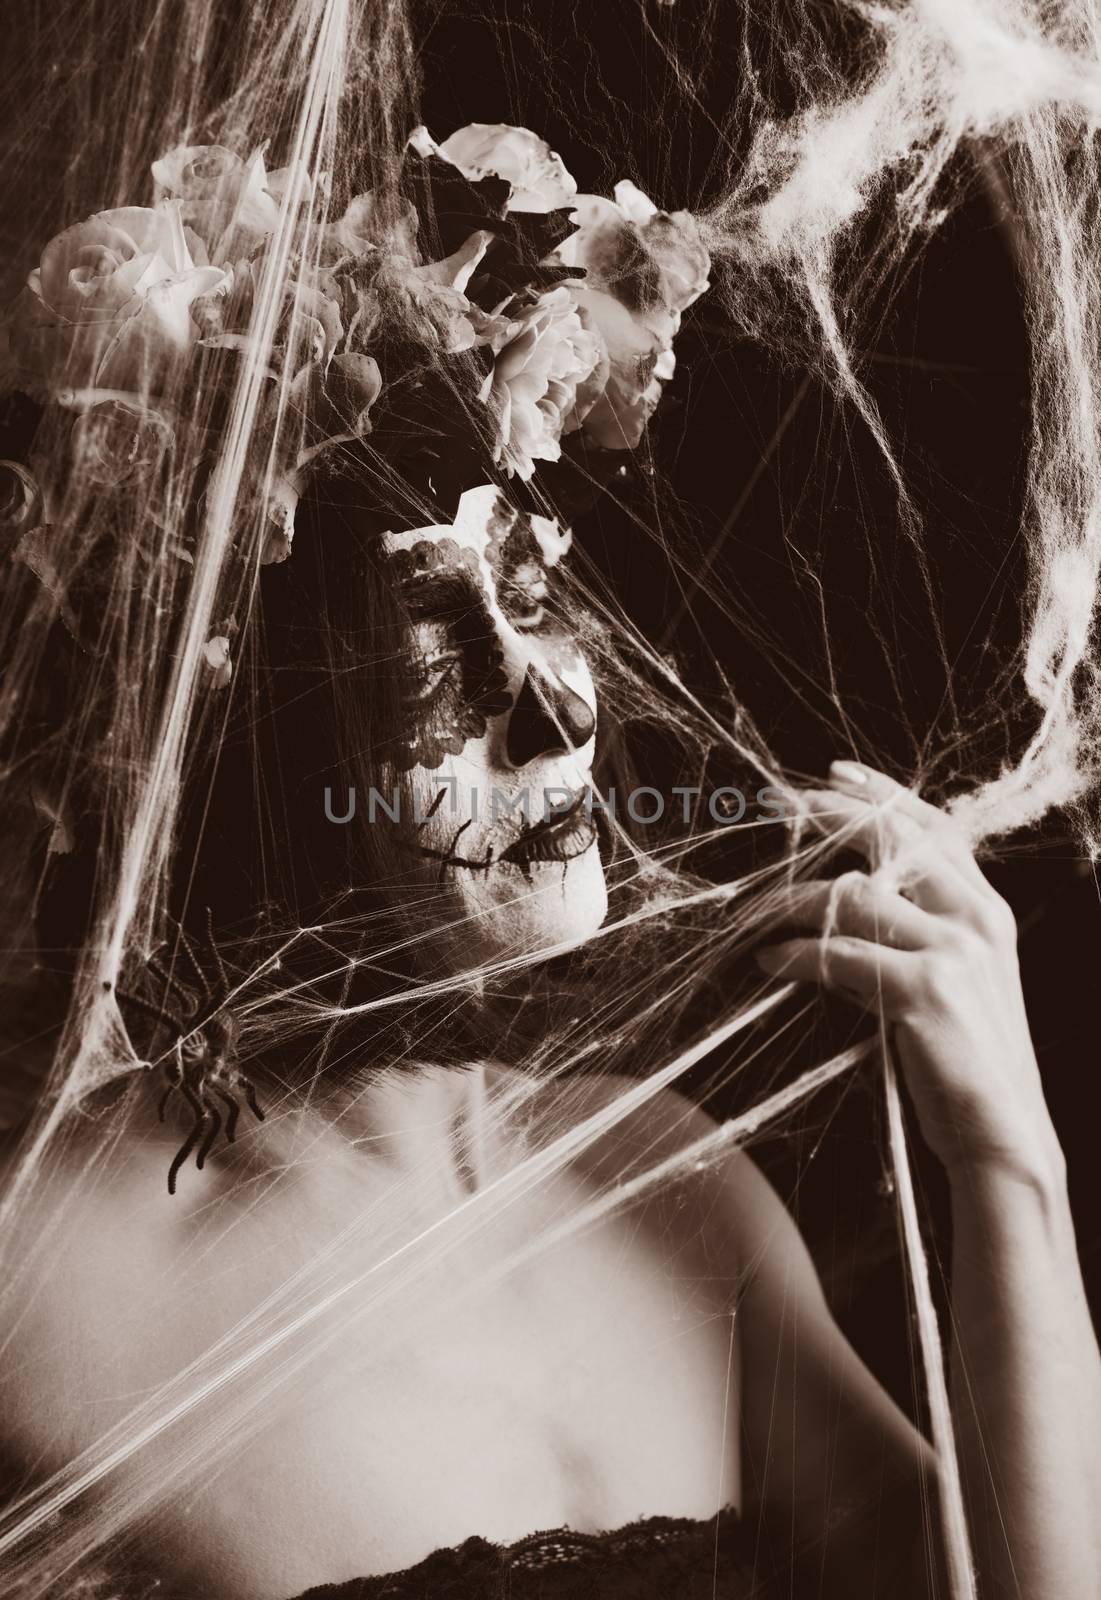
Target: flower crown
{"type": "Point", "coordinates": [563, 306]}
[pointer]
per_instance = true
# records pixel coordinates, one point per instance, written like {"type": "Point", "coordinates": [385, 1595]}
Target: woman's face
{"type": "Point", "coordinates": [498, 728]}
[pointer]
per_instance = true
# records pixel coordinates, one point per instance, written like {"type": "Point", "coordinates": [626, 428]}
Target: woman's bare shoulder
{"type": "Point", "coordinates": [648, 1145]}
{"type": "Point", "coordinates": [111, 1284]}
{"type": "Point", "coordinates": [630, 1124]}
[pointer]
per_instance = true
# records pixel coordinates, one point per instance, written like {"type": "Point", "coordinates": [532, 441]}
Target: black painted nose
{"type": "Point", "coordinates": [547, 719]}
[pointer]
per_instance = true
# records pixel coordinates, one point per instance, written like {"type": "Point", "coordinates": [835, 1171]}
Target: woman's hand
{"type": "Point", "coordinates": [923, 938]}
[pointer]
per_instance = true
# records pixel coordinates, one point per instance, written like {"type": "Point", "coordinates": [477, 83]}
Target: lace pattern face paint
{"type": "Point", "coordinates": [525, 571]}
{"type": "Point", "coordinates": [460, 677]}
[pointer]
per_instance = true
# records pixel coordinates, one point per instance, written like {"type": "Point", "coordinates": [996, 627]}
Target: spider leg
{"type": "Point", "coordinates": [233, 1111]}
{"type": "Point", "coordinates": [181, 1156]}
{"type": "Point", "coordinates": [199, 1119]}
{"type": "Point", "coordinates": [209, 1110]}
{"type": "Point", "coordinates": [158, 1013]}
{"type": "Point", "coordinates": [167, 977]}
{"type": "Point", "coordinates": [249, 1093]}
{"type": "Point", "coordinates": [193, 1136]}
{"type": "Point", "coordinates": [184, 943]}
{"type": "Point", "coordinates": [172, 1073]}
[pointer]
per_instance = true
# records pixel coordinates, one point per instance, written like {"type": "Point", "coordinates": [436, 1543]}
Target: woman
{"type": "Point", "coordinates": [611, 1378]}
{"type": "Point", "coordinates": [408, 1295]}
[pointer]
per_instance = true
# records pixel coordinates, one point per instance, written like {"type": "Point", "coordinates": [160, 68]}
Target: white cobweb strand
{"type": "Point", "coordinates": [949, 73]}
{"type": "Point", "coordinates": [957, 1542]}
{"type": "Point", "coordinates": [93, 1019]}
{"type": "Point", "coordinates": [1062, 762]}
{"type": "Point", "coordinates": [150, 839]}
{"type": "Point", "coordinates": [706, 1150]}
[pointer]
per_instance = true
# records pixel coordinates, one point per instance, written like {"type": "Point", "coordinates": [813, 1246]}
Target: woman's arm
{"type": "Point", "coordinates": [1026, 1385]}
{"type": "Point", "coordinates": [924, 937]}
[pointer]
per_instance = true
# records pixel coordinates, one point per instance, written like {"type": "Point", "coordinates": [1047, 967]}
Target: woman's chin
{"type": "Point", "coordinates": [540, 906]}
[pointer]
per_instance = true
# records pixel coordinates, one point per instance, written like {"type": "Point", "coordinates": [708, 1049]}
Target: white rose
{"type": "Point", "coordinates": [456, 270]}
{"type": "Point", "coordinates": [233, 205]}
{"type": "Point", "coordinates": [20, 502]}
{"type": "Point", "coordinates": [643, 268]}
{"type": "Point", "coordinates": [117, 441]}
{"type": "Point", "coordinates": [654, 262]}
{"type": "Point", "coordinates": [109, 304]}
{"type": "Point", "coordinates": [538, 179]}
{"type": "Point", "coordinates": [366, 227]}
{"type": "Point", "coordinates": [429, 300]}
{"type": "Point", "coordinates": [550, 367]}
{"type": "Point", "coordinates": [217, 657]}
{"type": "Point", "coordinates": [637, 364]}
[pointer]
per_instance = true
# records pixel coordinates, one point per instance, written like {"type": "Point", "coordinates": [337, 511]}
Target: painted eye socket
{"type": "Point", "coordinates": [435, 674]}
{"type": "Point", "coordinates": [526, 596]}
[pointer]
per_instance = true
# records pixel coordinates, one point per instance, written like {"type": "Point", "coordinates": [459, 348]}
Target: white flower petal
{"type": "Point", "coordinates": [537, 176]}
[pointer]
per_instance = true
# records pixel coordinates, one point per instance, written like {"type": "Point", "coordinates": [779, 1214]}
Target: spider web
{"type": "Point", "coordinates": [850, 137]}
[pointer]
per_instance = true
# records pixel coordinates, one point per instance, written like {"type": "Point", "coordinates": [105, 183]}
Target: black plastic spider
{"type": "Point", "coordinates": [199, 1062]}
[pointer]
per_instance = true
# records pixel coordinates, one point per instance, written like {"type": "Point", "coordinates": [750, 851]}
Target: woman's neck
{"type": "Point", "coordinates": [441, 1120]}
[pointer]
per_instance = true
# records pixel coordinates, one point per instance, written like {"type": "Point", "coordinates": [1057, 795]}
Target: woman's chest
{"type": "Point", "coordinates": [361, 1383]}
{"type": "Point", "coordinates": [602, 1369]}
{"type": "Point", "coordinates": [594, 1386]}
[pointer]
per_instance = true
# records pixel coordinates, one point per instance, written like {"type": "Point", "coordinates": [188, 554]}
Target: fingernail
{"type": "Point", "coordinates": [769, 956]}
{"type": "Point", "coordinates": [848, 772]}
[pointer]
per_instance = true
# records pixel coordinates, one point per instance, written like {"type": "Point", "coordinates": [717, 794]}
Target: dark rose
{"type": "Point", "coordinates": [451, 204]}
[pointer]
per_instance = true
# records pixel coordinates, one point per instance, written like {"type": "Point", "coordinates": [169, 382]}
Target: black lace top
{"type": "Point", "coordinates": [674, 1558]}
{"type": "Point", "coordinates": [662, 1558]}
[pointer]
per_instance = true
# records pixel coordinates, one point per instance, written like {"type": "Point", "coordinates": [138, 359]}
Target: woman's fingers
{"type": "Point", "coordinates": [879, 834]}
{"type": "Point", "coordinates": [877, 789]}
{"type": "Point", "coordinates": [856, 966]}
{"type": "Point", "coordinates": [856, 904]}
{"type": "Point", "coordinates": [910, 845]}
{"type": "Point", "coordinates": [895, 846]}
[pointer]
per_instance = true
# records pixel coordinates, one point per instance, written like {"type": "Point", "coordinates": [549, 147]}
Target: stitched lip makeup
{"type": "Point", "coordinates": [561, 837]}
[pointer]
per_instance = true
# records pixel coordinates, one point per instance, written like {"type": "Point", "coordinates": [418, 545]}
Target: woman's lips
{"type": "Point", "coordinates": [559, 838]}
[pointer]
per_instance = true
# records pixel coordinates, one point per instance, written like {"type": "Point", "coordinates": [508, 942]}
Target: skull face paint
{"type": "Point", "coordinates": [501, 710]}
